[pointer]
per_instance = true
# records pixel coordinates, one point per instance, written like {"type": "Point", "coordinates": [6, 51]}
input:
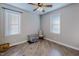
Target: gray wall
{"type": "Point", "coordinates": [69, 25]}
{"type": "Point", "coordinates": [30, 24]}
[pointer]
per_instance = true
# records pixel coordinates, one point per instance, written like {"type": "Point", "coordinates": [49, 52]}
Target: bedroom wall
{"type": "Point", "coordinates": [30, 24]}
{"type": "Point", "coordinates": [1, 26]}
{"type": "Point", "coordinates": [69, 34]}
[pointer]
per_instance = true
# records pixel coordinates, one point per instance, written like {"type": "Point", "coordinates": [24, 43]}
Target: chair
{"type": "Point", "coordinates": [33, 38]}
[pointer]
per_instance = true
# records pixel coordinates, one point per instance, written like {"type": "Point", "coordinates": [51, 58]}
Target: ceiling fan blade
{"type": "Point", "coordinates": [35, 9]}
{"type": "Point", "coordinates": [32, 3]}
{"type": "Point", "coordinates": [47, 5]}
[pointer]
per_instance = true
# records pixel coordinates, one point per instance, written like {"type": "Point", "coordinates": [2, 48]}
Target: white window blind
{"type": "Point", "coordinates": [55, 24]}
{"type": "Point", "coordinates": [12, 22]}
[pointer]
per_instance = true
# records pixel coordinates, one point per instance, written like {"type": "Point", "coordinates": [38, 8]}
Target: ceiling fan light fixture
{"type": "Point", "coordinates": [40, 9]}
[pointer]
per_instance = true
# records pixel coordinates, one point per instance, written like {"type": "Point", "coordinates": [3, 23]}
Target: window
{"type": "Point", "coordinates": [55, 24]}
{"type": "Point", "coordinates": [12, 22]}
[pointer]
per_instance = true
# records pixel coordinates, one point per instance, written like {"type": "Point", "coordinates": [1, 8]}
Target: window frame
{"type": "Point", "coordinates": [52, 24]}
{"type": "Point", "coordinates": [8, 22]}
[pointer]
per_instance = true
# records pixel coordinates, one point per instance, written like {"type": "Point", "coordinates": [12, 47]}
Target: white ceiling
{"type": "Point", "coordinates": [28, 7]}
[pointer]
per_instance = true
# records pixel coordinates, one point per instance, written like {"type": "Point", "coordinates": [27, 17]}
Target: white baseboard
{"type": "Point", "coordinates": [60, 43]}
{"type": "Point", "coordinates": [18, 43]}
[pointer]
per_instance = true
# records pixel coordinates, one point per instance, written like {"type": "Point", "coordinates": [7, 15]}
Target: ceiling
{"type": "Point", "coordinates": [28, 7]}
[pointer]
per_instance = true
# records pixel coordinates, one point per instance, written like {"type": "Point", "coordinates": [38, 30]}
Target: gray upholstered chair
{"type": "Point", "coordinates": [33, 38]}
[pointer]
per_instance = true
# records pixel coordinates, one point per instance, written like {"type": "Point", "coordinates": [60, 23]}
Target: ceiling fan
{"type": "Point", "coordinates": [40, 6]}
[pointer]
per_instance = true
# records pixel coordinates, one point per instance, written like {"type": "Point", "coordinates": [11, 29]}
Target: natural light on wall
{"type": "Point", "coordinates": [12, 22]}
{"type": "Point", "coordinates": [55, 24]}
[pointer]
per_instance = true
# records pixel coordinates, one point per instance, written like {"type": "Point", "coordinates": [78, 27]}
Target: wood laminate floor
{"type": "Point", "coordinates": [40, 48]}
